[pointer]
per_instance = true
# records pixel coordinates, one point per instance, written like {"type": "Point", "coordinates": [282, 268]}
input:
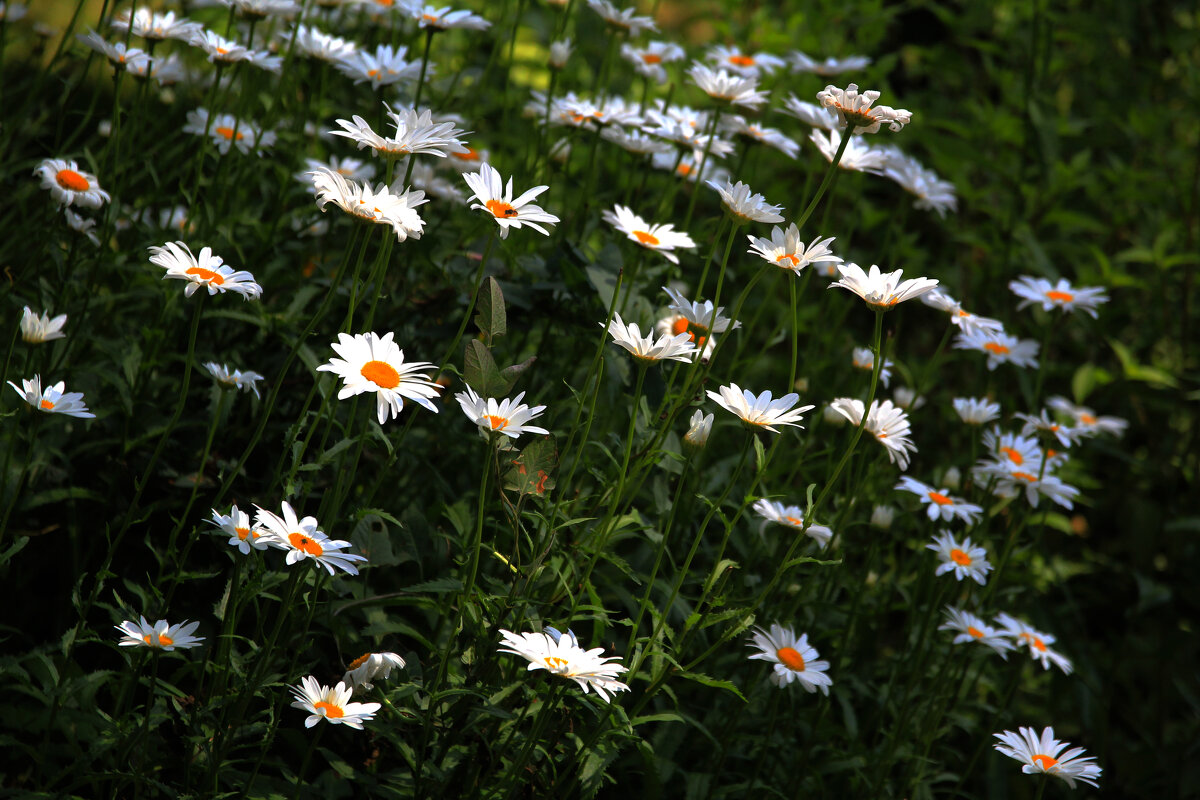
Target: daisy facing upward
{"type": "Point", "coordinates": [493, 196]}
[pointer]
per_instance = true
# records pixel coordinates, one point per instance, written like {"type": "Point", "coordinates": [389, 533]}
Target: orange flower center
{"type": "Point", "coordinates": [1061, 297]}
{"type": "Point", "coordinates": [163, 640]}
{"type": "Point", "coordinates": [302, 542]}
{"type": "Point", "coordinates": [227, 133]}
{"type": "Point", "coordinates": [792, 259]}
{"type": "Point", "coordinates": [742, 61]}
{"type": "Point", "coordinates": [646, 239]}
{"type": "Point", "coordinates": [650, 58]}
{"type": "Point", "coordinates": [501, 209]}
{"type": "Point", "coordinates": [940, 499]}
{"type": "Point", "coordinates": [242, 533]}
{"type": "Point", "coordinates": [1087, 419]}
{"type": "Point", "coordinates": [684, 169]}
{"type": "Point", "coordinates": [795, 522]}
{"type": "Point", "coordinates": [556, 663]}
{"type": "Point", "coordinates": [206, 275]}
{"type": "Point", "coordinates": [996, 347]}
{"type": "Point", "coordinates": [1044, 761]}
{"type": "Point", "coordinates": [1013, 455]}
{"type": "Point", "coordinates": [329, 710]}
{"type": "Point", "coordinates": [978, 634]}
{"type": "Point", "coordinates": [381, 374]}
{"type": "Point", "coordinates": [496, 423]}
{"type": "Point", "coordinates": [470, 155]}
{"type": "Point", "coordinates": [959, 557]}
{"type": "Point", "coordinates": [358, 662]}
{"type": "Point", "coordinates": [72, 180]}
{"type": "Point", "coordinates": [372, 73]}
{"type": "Point", "coordinates": [790, 658]}
{"type": "Point", "coordinates": [47, 405]}
{"type": "Point", "coordinates": [1025, 476]}
{"type": "Point", "coordinates": [1034, 642]}
{"type": "Point", "coordinates": [427, 17]}
{"type": "Point", "coordinates": [679, 326]}
{"type": "Point", "coordinates": [221, 51]}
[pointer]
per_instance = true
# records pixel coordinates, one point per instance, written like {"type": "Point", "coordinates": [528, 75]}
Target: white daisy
{"type": "Point", "coordinates": [744, 204]}
{"type": "Point", "coordinates": [507, 417]}
{"type": "Point", "coordinates": [70, 185]}
{"type": "Point", "coordinates": [301, 539]}
{"type": "Point", "coordinates": [331, 704]}
{"type": "Point", "coordinates": [383, 67]}
{"type": "Point", "coordinates": [1085, 421]}
{"type": "Point", "coordinates": [785, 249]}
{"type": "Point", "coordinates": [1061, 295]}
{"type": "Point", "coordinates": [160, 635]}
{"type": "Point", "coordinates": [373, 363]}
{"type": "Point", "coordinates": [749, 65]}
{"type": "Point", "coordinates": [885, 421]}
{"type": "Point", "coordinates": [862, 358]}
{"type": "Point", "coordinates": [856, 112]}
{"type": "Point", "coordinates": [241, 534]}
{"type": "Point", "coordinates": [699, 429]}
{"type": "Point", "coordinates": [858, 155]}
{"type": "Point", "coordinates": [624, 19]}
{"type": "Point", "coordinates": [760, 410]}
{"type": "Point", "coordinates": [379, 205]}
{"type": "Point", "coordinates": [971, 628]}
{"type": "Point", "coordinates": [235, 379]}
{"type": "Point", "coordinates": [722, 85]}
{"type": "Point", "coordinates": [416, 132]}
{"type": "Point", "coordinates": [939, 503]}
{"type": "Point", "coordinates": [37, 328]}
{"type": "Point", "coordinates": [227, 131]}
{"type": "Point", "coordinates": [671, 347]}
{"type": "Point", "coordinates": [660, 238]}
{"type": "Point", "coordinates": [53, 400]}
{"type": "Point", "coordinates": [560, 654]}
{"type": "Point", "coordinates": [828, 66]}
{"type": "Point", "coordinates": [814, 115]}
{"type": "Point", "coordinates": [794, 658]}
{"type": "Point", "coordinates": [208, 270]}
{"type": "Point", "coordinates": [648, 60]}
{"type": "Point", "coordinates": [370, 666]}
{"type": "Point", "coordinates": [155, 25]}
{"type": "Point", "coordinates": [444, 19]}
{"type": "Point", "coordinates": [881, 290]}
{"type": "Point", "coordinates": [976, 410]}
{"type": "Point", "coordinates": [494, 197]}
{"type": "Point", "coordinates": [932, 193]}
{"type": "Point", "coordinates": [792, 517]}
{"type": "Point", "coordinates": [1044, 754]}
{"type": "Point", "coordinates": [315, 43]}
{"type": "Point", "coordinates": [965, 559]}
{"type": "Point", "coordinates": [1038, 642]}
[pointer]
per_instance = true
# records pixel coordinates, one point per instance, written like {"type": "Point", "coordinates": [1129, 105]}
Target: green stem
{"type": "Point", "coordinates": [477, 284]}
{"type": "Point", "coordinates": [477, 539]}
{"type": "Point", "coordinates": [833, 165]}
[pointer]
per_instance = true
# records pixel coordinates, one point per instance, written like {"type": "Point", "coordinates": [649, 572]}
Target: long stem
{"type": "Point", "coordinates": [466, 320]}
{"type": "Point", "coordinates": [477, 539]}
{"type": "Point", "coordinates": [833, 165]}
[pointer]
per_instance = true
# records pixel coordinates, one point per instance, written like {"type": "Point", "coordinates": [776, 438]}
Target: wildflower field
{"type": "Point", "coordinates": [556, 399]}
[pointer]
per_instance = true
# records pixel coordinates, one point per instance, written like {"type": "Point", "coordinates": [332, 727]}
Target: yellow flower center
{"type": "Point", "coordinates": [647, 239]}
{"type": "Point", "coordinates": [242, 533]}
{"type": "Point", "coordinates": [1025, 476]}
{"type": "Point", "coordinates": [996, 347]}
{"type": "Point", "coordinates": [305, 544]}
{"type": "Point", "coordinates": [72, 180]}
{"type": "Point", "coordinates": [329, 710]}
{"type": "Point", "coordinates": [470, 155]}
{"type": "Point", "coordinates": [1087, 419]}
{"type": "Point", "coordinates": [206, 275]}
{"type": "Point", "coordinates": [555, 663]}
{"type": "Point", "coordinates": [940, 499]}
{"type": "Point", "coordinates": [960, 558]}
{"type": "Point", "coordinates": [978, 634]}
{"type": "Point", "coordinates": [1060, 297]}
{"type": "Point", "coordinates": [227, 133]}
{"type": "Point", "coordinates": [792, 261]}
{"type": "Point", "coordinates": [358, 662]}
{"type": "Point", "coordinates": [47, 405]}
{"type": "Point", "coordinates": [790, 658]}
{"type": "Point", "coordinates": [742, 61]}
{"type": "Point", "coordinates": [1044, 761]}
{"type": "Point", "coordinates": [496, 423]}
{"type": "Point", "coordinates": [381, 374]}
{"type": "Point", "coordinates": [1013, 455]}
{"type": "Point", "coordinates": [651, 58]}
{"type": "Point", "coordinates": [501, 209]}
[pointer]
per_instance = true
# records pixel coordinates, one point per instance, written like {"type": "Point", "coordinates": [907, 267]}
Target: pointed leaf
{"type": "Point", "coordinates": [491, 317]}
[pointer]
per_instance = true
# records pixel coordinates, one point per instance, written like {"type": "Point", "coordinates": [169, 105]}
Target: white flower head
{"type": "Point", "coordinates": [69, 185]}
{"type": "Point", "coordinates": [373, 363]}
{"type": "Point", "coordinates": [508, 416]}
{"type": "Point", "coordinates": [160, 635]}
{"type": "Point", "coordinates": [786, 250]}
{"type": "Point", "coordinates": [699, 429]}
{"type": "Point", "coordinates": [885, 421]}
{"type": "Point", "coordinates": [560, 654]}
{"type": "Point", "coordinates": [247, 381]}
{"type": "Point", "coordinates": [939, 504]}
{"type": "Point", "coordinates": [370, 666]}
{"type": "Point", "coordinates": [761, 410]}
{"type": "Point", "coordinates": [794, 658]}
{"type": "Point", "coordinates": [791, 517]}
{"type": "Point", "coordinates": [624, 19]}
{"type": "Point", "coordinates": [1038, 642]}
{"type": "Point", "coordinates": [52, 400]}
{"type": "Point", "coordinates": [207, 270]}
{"type": "Point", "coordinates": [744, 204]}
{"type": "Point", "coordinates": [976, 410]}
{"type": "Point", "coordinates": [676, 347]}
{"type": "Point", "coordinates": [1061, 295]}
{"type": "Point", "coordinates": [971, 628]}
{"type": "Point", "coordinates": [1000, 347]}
{"type": "Point", "coordinates": [331, 704]}
{"type": "Point", "coordinates": [721, 85]}
{"type": "Point", "coordinates": [381, 205]}
{"type": "Point", "coordinates": [881, 290]}
{"type": "Point", "coordinates": [493, 196]}
{"type": "Point", "coordinates": [38, 328]}
{"type": "Point", "coordinates": [416, 132]}
{"type": "Point", "coordinates": [659, 238]}
{"type": "Point", "coordinates": [963, 558]}
{"type": "Point", "coordinates": [856, 112]}
{"type": "Point", "coordinates": [1044, 754]}
{"type": "Point", "coordinates": [242, 535]}
{"type": "Point", "coordinates": [302, 540]}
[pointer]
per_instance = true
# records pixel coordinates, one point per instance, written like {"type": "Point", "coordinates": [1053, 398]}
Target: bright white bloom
{"type": "Point", "coordinates": [859, 156]}
{"type": "Point", "coordinates": [792, 517]}
{"type": "Point", "coordinates": [624, 18]}
{"type": "Point", "coordinates": [353, 169]}
{"type": "Point", "coordinates": [965, 559]}
{"type": "Point", "coordinates": [331, 704]}
{"type": "Point", "coordinates": [241, 534]}
{"type": "Point", "coordinates": [1085, 421]}
{"type": "Point", "coordinates": [260, 9]}
{"type": "Point", "coordinates": [1010, 483]}
{"type": "Point", "coordinates": [507, 416]}
{"type": "Point", "coordinates": [1038, 642]}
{"type": "Point", "coordinates": [53, 400]}
{"type": "Point", "coordinates": [383, 67]}
{"type": "Point", "coordinates": [671, 347]}
{"type": "Point", "coordinates": [648, 60]}
{"type": "Point", "coordinates": [699, 428]}
{"type": "Point", "coordinates": [494, 197]}
{"type": "Point", "coordinates": [690, 167]}
{"type": "Point", "coordinates": [1045, 754]}
{"type": "Point", "coordinates": [226, 131]}
{"type": "Point", "coordinates": [377, 205]}
{"type": "Point", "coordinates": [882, 516]}
{"type": "Point", "coordinates": [932, 193]}
{"type": "Point", "coordinates": [116, 53]}
{"type": "Point", "coordinates": [160, 635]}
{"type": "Point", "coordinates": [560, 654]}
{"type": "Point", "coordinates": [373, 363]}
{"type": "Point", "coordinates": [36, 329]}
{"type": "Point", "coordinates": [971, 628]}
{"type": "Point", "coordinates": [154, 25]}
{"type": "Point", "coordinates": [760, 410]}
{"type": "Point", "coordinates": [794, 658]}
{"type": "Point", "coordinates": [302, 540]}
{"type": "Point", "coordinates": [70, 185]}
{"type": "Point", "coordinates": [660, 238]}
{"type": "Point", "coordinates": [416, 132]}
{"type": "Point", "coordinates": [771, 137]}
{"type": "Point", "coordinates": [814, 115]}
{"type": "Point", "coordinates": [976, 410]}
{"type": "Point", "coordinates": [560, 51]}
{"type": "Point", "coordinates": [881, 290]}
{"type": "Point", "coordinates": [856, 112]}
{"type": "Point", "coordinates": [218, 48]}
{"type": "Point", "coordinates": [785, 249]}
{"type": "Point", "coordinates": [939, 504]}
{"type": "Point", "coordinates": [368, 667]}
{"type": "Point", "coordinates": [315, 43]}
{"type": "Point", "coordinates": [634, 141]}
{"type": "Point", "coordinates": [1067, 436]}
{"type": "Point", "coordinates": [1061, 295]}
{"type": "Point", "coordinates": [829, 66]}
{"type": "Point", "coordinates": [208, 270]}
{"type": "Point", "coordinates": [885, 421]}
{"type": "Point", "coordinates": [444, 19]}
{"type": "Point", "coordinates": [745, 64]}
{"type": "Point", "coordinates": [862, 358]}
{"type": "Point", "coordinates": [744, 204]}
{"type": "Point", "coordinates": [1011, 451]}
{"type": "Point", "coordinates": [722, 85]}
{"type": "Point", "coordinates": [235, 379]}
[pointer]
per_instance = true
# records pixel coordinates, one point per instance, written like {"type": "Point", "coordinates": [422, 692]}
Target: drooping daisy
{"type": "Point", "coordinates": [828, 66]}
{"type": "Point", "coordinates": [1001, 348]}
{"type": "Point", "coordinates": [1044, 754]}
{"type": "Point", "coordinates": [155, 25]}
{"type": "Point", "coordinates": [301, 539]}
{"type": "Point", "coordinates": [1085, 420]}
{"type": "Point", "coordinates": [965, 559]}
{"type": "Point", "coordinates": [856, 112]}
{"type": "Point", "coordinates": [885, 421]}
{"type": "Point", "coordinates": [444, 19]}
{"type": "Point", "coordinates": [792, 517]}
{"type": "Point", "coordinates": [760, 410]}
{"type": "Point", "coordinates": [117, 53]}
{"type": "Point", "coordinates": [560, 654]}
{"type": "Point", "coordinates": [814, 115]}
{"type": "Point", "coordinates": [1067, 435]}
{"type": "Point", "coordinates": [379, 205]}
{"type": "Point", "coordinates": [785, 249]}
{"type": "Point", "coordinates": [242, 534]}
{"type": "Point", "coordinates": [1038, 642]}
{"type": "Point", "coordinates": [932, 193]}
{"type": "Point", "coordinates": [70, 185]}
{"type": "Point", "coordinates": [648, 60]}
{"type": "Point", "coordinates": [160, 635]}
{"type": "Point", "coordinates": [939, 503]}
{"type": "Point", "coordinates": [659, 238]}
{"type": "Point", "coordinates": [370, 666]}
{"type": "Point", "coordinates": [1061, 295]}
{"type": "Point", "coordinates": [331, 704]}
{"type": "Point", "coordinates": [745, 205]}
{"type": "Point", "coordinates": [208, 270]}
{"type": "Point", "coordinates": [959, 317]}
{"type": "Point", "coordinates": [36, 328]}
{"type": "Point", "coordinates": [383, 67]}
{"type": "Point", "coordinates": [794, 658]}
{"type": "Point", "coordinates": [971, 628]}
{"type": "Point", "coordinates": [494, 197]}
{"type": "Point", "coordinates": [749, 65]}
{"type": "Point", "coordinates": [858, 155]}
{"type": "Point", "coordinates": [754, 132]}
{"type": "Point", "coordinates": [52, 400]}
{"type": "Point", "coordinates": [373, 363]}
{"type": "Point", "coordinates": [507, 416]}
{"type": "Point", "coordinates": [677, 347]}
{"type": "Point", "coordinates": [624, 19]}
{"type": "Point", "coordinates": [416, 132]}
{"type": "Point", "coordinates": [976, 410]}
{"type": "Point", "coordinates": [227, 131]}
{"type": "Point", "coordinates": [722, 85]}
{"type": "Point", "coordinates": [699, 429]}
{"type": "Point", "coordinates": [881, 290]}
{"type": "Point", "coordinates": [862, 358]}
{"type": "Point", "coordinates": [235, 379]}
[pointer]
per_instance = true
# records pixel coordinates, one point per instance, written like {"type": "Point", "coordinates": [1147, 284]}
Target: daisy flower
{"type": "Point", "coordinates": [154, 25]}
{"type": "Point", "coordinates": [810, 114]}
{"type": "Point", "coordinates": [53, 400]}
{"type": "Point", "coordinates": [1044, 754]}
{"type": "Point", "coordinates": [771, 137]}
{"type": "Point", "coordinates": [858, 156]}
{"type": "Point", "coordinates": [648, 60]}
{"type": "Point", "coordinates": [932, 193]}
{"type": "Point", "coordinates": [70, 185]}
{"type": "Point", "coordinates": [235, 379]}
{"type": "Point", "coordinates": [794, 658]}
{"type": "Point", "coordinates": [560, 51]}
{"type": "Point", "coordinates": [82, 225]}
{"type": "Point", "coordinates": [444, 19]}
{"type": "Point", "coordinates": [227, 131]}
{"type": "Point", "coordinates": [241, 534]}
{"type": "Point", "coordinates": [882, 517]}
{"type": "Point", "coordinates": [1039, 643]}
{"type": "Point", "coordinates": [792, 517]}
{"type": "Point", "coordinates": [1086, 422]}
{"type": "Point", "coordinates": [976, 410]}
{"type": "Point", "coordinates": [160, 635]}
{"type": "Point", "coordinates": [624, 19]}
{"type": "Point", "coordinates": [1001, 348]}
{"type": "Point", "coordinates": [721, 85]}
{"type": "Point", "coordinates": [377, 205]}
{"type": "Point", "coordinates": [1011, 482]}
{"type": "Point", "coordinates": [786, 250]}
{"type": "Point", "coordinates": [373, 363]}
{"type": "Point", "coordinates": [370, 666]}
{"type": "Point", "coordinates": [560, 654]}
{"type": "Point", "coordinates": [691, 167]}
{"type": "Point", "coordinates": [677, 347]}
{"type": "Point", "coordinates": [881, 290]}
{"type": "Point", "coordinates": [384, 67]}
{"type": "Point", "coordinates": [634, 141]}
{"type": "Point", "coordinates": [971, 628]}
{"type": "Point", "coordinates": [261, 9]}
{"type": "Point", "coordinates": [745, 205]}
{"type": "Point", "coordinates": [885, 421]}
{"type": "Point", "coordinates": [352, 169]}
{"type": "Point", "coordinates": [207, 270]}
{"type": "Point", "coordinates": [760, 410]}
{"type": "Point", "coordinates": [416, 132]}
{"type": "Point", "coordinates": [906, 397]}
{"type": "Point", "coordinates": [964, 558]}
{"type": "Point", "coordinates": [36, 329]}
{"type": "Point", "coordinates": [507, 417]}
{"type": "Point", "coordinates": [862, 358]}
{"type": "Point", "coordinates": [660, 238]}
{"type": "Point", "coordinates": [964, 320]}
{"type": "Point", "coordinates": [699, 428]}
{"type": "Point", "coordinates": [744, 64]}
{"type": "Point", "coordinates": [939, 504]}
{"type": "Point", "coordinates": [331, 704]}
{"type": "Point", "coordinates": [1061, 295]}
{"type": "Point", "coordinates": [1066, 435]}
{"type": "Point", "coordinates": [856, 112]}
{"type": "Point", "coordinates": [1011, 450]}
{"type": "Point", "coordinates": [828, 66]}
{"type": "Point", "coordinates": [218, 48]}
{"type": "Point", "coordinates": [493, 196]}
{"type": "Point", "coordinates": [117, 54]}
{"type": "Point", "coordinates": [167, 71]}
{"type": "Point", "coordinates": [315, 43]}
{"type": "Point", "coordinates": [302, 540]}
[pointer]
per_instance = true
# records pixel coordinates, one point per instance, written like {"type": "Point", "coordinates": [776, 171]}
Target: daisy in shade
{"type": "Point", "coordinates": [810, 114]}
{"type": "Point", "coordinates": [881, 290]}
{"type": "Point", "coordinates": [959, 317]}
{"type": "Point", "coordinates": [208, 271]}
{"type": "Point", "coordinates": [1066, 435]}
{"type": "Point", "coordinates": [560, 654]}
{"type": "Point", "coordinates": [932, 193]}
{"type": "Point", "coordinates": [858, 156]}
{"type": "Point", "coordinates": [1011, 482]}
{"type": "Point", "coordinates": [761, 410]}
{"type": "Point", "coordinates": [560, 52]}
{"type": "Point", "coordinates": [939, 504]}
{"type": "Point", "coordinates": [748, 65]}
{"type": "Point", "coordinates": [373, 363]}
{"type": "Point", "coordinates": [497, 199]}
{"type": "Point", "coordinates": [699, 429]}
{"type": "Point", "coordinates": [261, 9]}
{"type": "Point", "coordinates": [885, 421]}
{"type": "Point", "coordinates": [53, 400]}
{"type": "Point", "coordinates": [385, 66]}
{"type": "Point", "coordinates": [82, 225]}
{"type": "Point", "coordinates": [1044, 754]}
{"type": "Point", "coordinates": [1038, 642]}
{"type": "Point", "coordinates": [856, 112]}
{"type": "Point", "coordinates": [69, 185]}
{"type": "Point", "coordinates": [648, 61]}
{"type": "Point", "coordinates": [117, 54]}
{"type": "Point", "coordinates": [352, 169]}
{"type": "Point", "coordinates": [507, 416]}
{"type": "Point", "coordinates": [38, 328]}
{"type": "Point", "coordinates": [379, 205]}
{"type": "Point", "coordinates": [416, 132]}
{"type": "Point", "coordinates": [315, 43]}
{"type": "Point", "coordinates": [792, 517]}
{"type": "Point", "coordinates": [370, 666]}
{"type": "Point", "coordinates": [218, 48]}
{"type": "Point", "coordinates": [976, 410]}
{"type": "Point", "coordinates": [160, 635]}
{"type": "Point", "coordinates": [828, 66]}
{"type": "Point", "coordinates": [236, 524]}
{"type": "Point", "coordinates": [971, 628]}
{"type": "Point", "coordinates": [744, 204]}
{"type": "Point", "coordinates": [1061, 295]}
{"type": "Point", "coordinates": [302, 540]}
{"type": "Point", "coordinates": [786, 250]}
{"type": "Point", "coordinates": [331, 704]}
{"type": "Point", "coordinates": [794, 658]}
{"type": "Point", "coordinates": [660, 238]}
{"type": "Point", "coordinates": [722, 85]}
{"type": "Point", "coordinates": [634, 141]}
{"type": "Point", "coordinates": [156, 26]}
{"type": "Point", "coordinates": [1001, 348]}
{"type": "Point", "coordinates": [1012, 450]}
{"type": "Point", "coordinates": [965, 559]}
{"type": "Point", "coordinates": [1085, 421]}
{"type": "Point", "coordinates": [444, 19]}
{"type": "Point", "coordinates": [234, 379]}
{"type": "Point", "coordinates": [624, 19]}
{"type": "Point", "coordinates": [862, 358]}
{"type": "Point", "coordinates": [227, 131]}
{"type": "Point", "coordinates": [677, 347]}
{"type": "Point", "coordinates": [771, 137]}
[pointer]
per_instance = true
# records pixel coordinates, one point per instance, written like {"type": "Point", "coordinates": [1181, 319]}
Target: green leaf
{"type": "Point", "coordinates": [491, 317]}
{"type": "Point", "coordinates": [1141, 372]}
{"type": "Point", "coordinates": [760, 456]}
{"type": "Point", "coordinates": [513, 373]}
{"type": "Point", "coordinates": [480, 371]}
{"type": "Point", "coordinates": [712, 682]}
{"type": "Point", "coordinates": [531, 471]}
{"type": "Point", "coordinates": [809, 560]}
